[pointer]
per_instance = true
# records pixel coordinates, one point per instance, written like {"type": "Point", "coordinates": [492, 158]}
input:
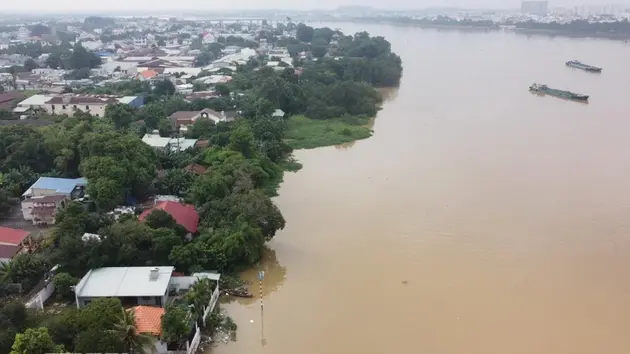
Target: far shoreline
{"type": "Point", "coordinates": [505, 28]}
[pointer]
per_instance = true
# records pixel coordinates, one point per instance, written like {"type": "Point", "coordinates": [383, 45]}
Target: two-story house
{"type": "Point", "coordinates": [45, 208]}
{"type": "Point", "coordinates": [42, 200]}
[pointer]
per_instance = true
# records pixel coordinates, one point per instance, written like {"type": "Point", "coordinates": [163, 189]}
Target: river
{"type": "Point", "coordinates": [479, 218]}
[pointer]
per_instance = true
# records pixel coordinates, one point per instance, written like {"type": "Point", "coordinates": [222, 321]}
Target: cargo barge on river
{"type": "Point", "coordinates": [544, 89]}
{"type": "Point", "coordinates": [578, 65]}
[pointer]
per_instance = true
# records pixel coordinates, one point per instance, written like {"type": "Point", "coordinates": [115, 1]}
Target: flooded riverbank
{"type": "Point", "coordinates": [477, 219]}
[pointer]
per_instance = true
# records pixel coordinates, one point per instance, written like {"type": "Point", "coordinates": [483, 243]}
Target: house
{"type": "Point", "coordinates": [47, 195]}
{"type": "Point", "coordinates": [12, 237]}
{"type": "Point", "coordinates": [7, 252]}
{"type": "Point", "coordinates": [93, 104]}
{"type": "Point", "coordinates": [45, 208]}
{"type": "Point", "coordinates": [132, 285]}
{"type": "Point", "coordinates": [187, 118]}
{"type": "Point", "coordinates": [149, 322]}
{"type": "Point", "coordinates": [184, 215]}
{"type": "Point", "coordinates": [147, 75]}
{"type": "Point", "coordinates": [154, 140]}
{"type": "Point", "coordinates": [196, 169]}
{"type": "Point", "coordinates": [8, 99]}
{"type": "Point", "coordinates": [150, 286]}
{"type": "Point", "coordinates": [231, 49]}
{"type": "Point", "coordinates": [33, 102]}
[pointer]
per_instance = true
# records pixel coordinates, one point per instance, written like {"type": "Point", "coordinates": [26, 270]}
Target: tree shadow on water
{"type": "Point", "coordinates": [274, 275]}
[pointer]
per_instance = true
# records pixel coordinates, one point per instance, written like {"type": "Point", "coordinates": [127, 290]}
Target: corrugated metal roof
{"type": "Point", "coordinates": [59, 185]}
{"type": "Point", "coordinates": [123, 282]}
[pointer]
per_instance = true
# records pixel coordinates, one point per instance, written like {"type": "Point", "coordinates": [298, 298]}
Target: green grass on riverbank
{"type": "Point", "coordinates": [307, 133]}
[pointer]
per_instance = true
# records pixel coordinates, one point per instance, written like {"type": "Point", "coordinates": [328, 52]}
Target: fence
{"type": "Point", "coordinates": [213, 302]}
{"type": "Point", "coordinates": [37, 300]}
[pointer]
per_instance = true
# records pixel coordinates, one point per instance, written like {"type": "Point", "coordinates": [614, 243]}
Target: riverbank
{"type": "Point", "coordinates": [307, 133]}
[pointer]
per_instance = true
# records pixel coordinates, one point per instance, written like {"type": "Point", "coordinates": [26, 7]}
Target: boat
{"type": "Point", "coordinates": [558, 93]}
{"type": "Point", "coordinates": [578, 65]}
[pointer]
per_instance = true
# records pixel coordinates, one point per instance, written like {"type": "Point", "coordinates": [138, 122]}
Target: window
{"type": "Point", "coordinates": [96, 114]}
{"type": "Point", "coordinates": [87, 108]}
{"type": "Point", "coordinates": [75, 106]}
{"type": "Point", "coordinates": [63, 107]}
{"type": "Point", "coordinates": [53, 107]}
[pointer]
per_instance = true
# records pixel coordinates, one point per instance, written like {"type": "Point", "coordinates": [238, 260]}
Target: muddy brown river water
{"type": "Point", "coordinates": [479, 218]}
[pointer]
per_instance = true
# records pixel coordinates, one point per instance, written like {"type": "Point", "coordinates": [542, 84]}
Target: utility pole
{"type": "Point", "coordinates": [261, 276]}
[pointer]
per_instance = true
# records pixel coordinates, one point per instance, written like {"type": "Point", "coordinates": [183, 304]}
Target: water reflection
{"type": "Point", "coordinates": [275, 275]}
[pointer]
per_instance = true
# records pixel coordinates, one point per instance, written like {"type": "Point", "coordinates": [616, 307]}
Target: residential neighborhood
{"type": "Point", "coordinates": [165, 88]}
{"type": "Point", "coordinates": [138, 161]}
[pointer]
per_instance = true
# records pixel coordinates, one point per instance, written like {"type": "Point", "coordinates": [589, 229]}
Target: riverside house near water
{"type": "Point", "coordinates": [149, 286]}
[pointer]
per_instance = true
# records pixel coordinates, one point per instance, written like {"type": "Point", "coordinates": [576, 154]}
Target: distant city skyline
{"type": "Point", "coordinates": [149, 6]}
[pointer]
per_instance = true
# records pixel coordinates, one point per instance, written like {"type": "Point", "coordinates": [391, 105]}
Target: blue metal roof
{"type": "Point", "coordinates": [60, 185]}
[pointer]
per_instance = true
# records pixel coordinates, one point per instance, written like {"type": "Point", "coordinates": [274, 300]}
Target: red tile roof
{"type": "Point", "coordinates": [184, 215]}
{"type": "Point", "coordinates": [148, 319]}
{"type": "Point", "coordinates": [12, 236]}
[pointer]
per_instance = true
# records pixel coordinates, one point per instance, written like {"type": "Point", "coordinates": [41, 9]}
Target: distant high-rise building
{"type": "Point", "coordinates": [538, 8]}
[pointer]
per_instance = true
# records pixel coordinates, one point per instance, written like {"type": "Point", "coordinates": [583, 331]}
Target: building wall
{"type": "Point", "coordinates": [137, 102]}
{"type": "Point", "coordinates": [27, 208]}
{"type": "Point", "coordinates": [97, 110]}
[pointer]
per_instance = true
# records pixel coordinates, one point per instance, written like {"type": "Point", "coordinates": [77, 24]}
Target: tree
{"type": "Point", "coordinates": [107, 177]}
{"type": "Point", "coordinates": [78, 74]}
{"type": "Point", "coordinates": [199, 296]}
{"type": "Point", "coordinates": [222, 89]}
{"type": "Point", "coordinates": [63, 285]}
{"type": "Point", "coordinates": [100, 314]}
{"type": "Point", "coordinates": [175, 325]}
{"type": "Point", "coordinates": [82, 58]}
{"type": "Point", "coordinates": [35, 341]}
{"type": "Point", "coordinates": [126, 330]}
{"type": "Point", "coordinates": [176, 182]}
{"type": "Point", "coordinates": [121, 114]}
{"type": "Point", "coordinates": [151, 114]}
{"type": "Point", "coordinates": [319, 51]}
{"type": "Point", "coordinates": [304, 33]}
{"type": "Point", "coordinates": [39, 29]}
{"type": "Point", "coordinates": [54, 61]}
{"type": "Point", "coordinates": [201, 128]}
{"type": "Point", "coordinates": [242, 140]}
{"type": "Point", "coordinates": [30, 64]}
{"type": "Point", "coordinates": [163, 241]}
{"type": "Point", "coordinates": [164, 88]}
{"type": "Point", "coordinates": [161, 42]}
{"type": "Point", "coordinates": [64, 327]}
{"type": "Point", "coordinates": [204, 58]}
{"type": "Point", "coordinates": [25, 268]}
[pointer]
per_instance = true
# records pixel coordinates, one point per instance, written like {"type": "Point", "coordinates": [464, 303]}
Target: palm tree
{"type": "Point", "coordinates": [125, 328]}
{"type": "Point", "coordinates": [6, 272]}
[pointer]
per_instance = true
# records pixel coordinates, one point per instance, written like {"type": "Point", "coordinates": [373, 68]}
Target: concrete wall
{"type": "Point", "coordinates": [97, 110]}
{"type": "Point", "coordinates": [37, 301]}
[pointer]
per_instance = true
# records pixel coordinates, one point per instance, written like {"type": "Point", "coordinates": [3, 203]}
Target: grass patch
{"type": "Point", "coordinates": [307, 133]}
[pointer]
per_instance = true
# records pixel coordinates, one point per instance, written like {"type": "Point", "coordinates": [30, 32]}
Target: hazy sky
{"type": "Point", "coordinates": [149, 6]}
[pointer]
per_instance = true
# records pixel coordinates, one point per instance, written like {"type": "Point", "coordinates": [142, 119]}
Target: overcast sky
{"type": "Point", "coordinates": [60, 6]}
